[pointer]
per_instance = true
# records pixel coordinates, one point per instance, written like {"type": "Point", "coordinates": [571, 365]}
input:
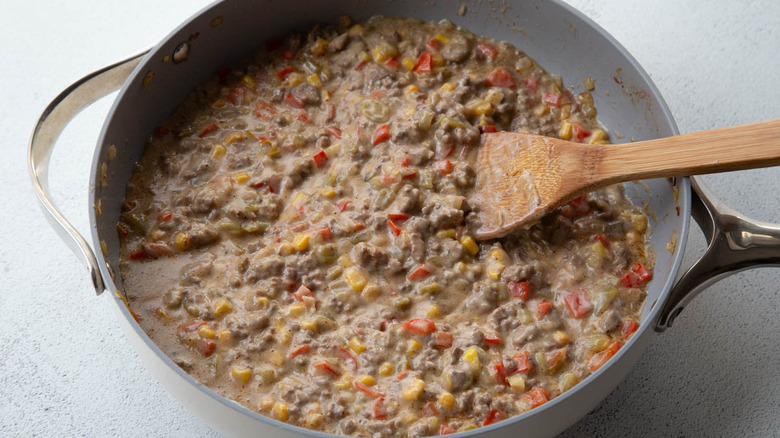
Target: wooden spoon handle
{"type": "Point", "coordinates": [719, 150]}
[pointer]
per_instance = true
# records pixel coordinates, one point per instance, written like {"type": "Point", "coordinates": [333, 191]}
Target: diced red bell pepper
{"type": "Point", "coordinates": [543, 308]}
{"type": "Point", "coordinates": [123, 229]}
{"type": "Point", "coordinates": [140, 255]}
{"type": "Point", "coordinates": [519, 289]}
{"type": "Point", "coordinates": [433, 43]}
{"type": "Point", "coordinates": [381, 135]}
{"type": "Point", "coordinates": [499, 372]}
{"type": "Point", "coordinates": [638, 276]}
{"type": "Point", "coordinates": [206, 347]}
{"type": "Point", "coordinates": [366, 390]}
{"type": "Point", "coordinates": [393, 63]}
{"type": "Point", "coordinates": [442, 339]}
{"type": "Point", "coordinates": [264, 110]}
{"type": "Point", "coordinates": [532, 84]}
{"type": "Point", "coordinates": [380, 410]}
{"type": "Point", "coordinates": [424, 63]}
{"type": "Point", "coordinates": [640, 270]}
{"type": "Point", "coordinates": [406, 161]}
{"type": "Point", "coordinates": [552, 99]}
{"type": "Point", "coordinates": [523, 361]}
{"type": "Point", "coordinates": [494, 417]}
{"type": "Point", "coordinates": [580, 205]}
{"type": "Point", "coordinates": [320, 158]}
{"type": "Point", "coordinates": [430, 409]}
{"type": "Point", "coordinates": [283, 73]}
{"type": "Point", "coordinates": [409, 175]}
{"type": "Point", "coordinates": [350, 357]}
{"type": "Point", "coordinates": [443, 167]}
{"type": "Point", "coordinates": [293, 101]}
{"type": "Point", "coordinates": [420, 326]}
{"type": "Point", "coordinates": [601, 358]}
{"type": "Point", "coordinates": [342, 205]}
{"type": "Point", "coordinates": [445, 429]}
{"type": "Point", "coordinates": [288, 55]}
{"type": "Point", "coordinates": [629, 327]}
{"type": "Point", "coordinates": [487, 128]}
{"type": "Point", "coordinates": [602, 239]}
{"type": "Point", "coordinates": [302, 291]}
{"type": "Point", "coordinates": [538, 396]}
{"type": "Point", "coordinates": [211, 127]}
{"type": "Point", "coordinates": [303, 116]}
{"type": "Point", "coordinates": [328, 368]}
{"type": "Point", "coordinates": [501, 78]}
{"type": "Point", "coordinates": [165, 217]}
{"type": "Point", "coordinates": [418, 273]}
{"type": "Point", "coordinates": [577, 303]}
{"type": "Point", "coordinates": [553, 358]}
{"type": "Point", "coordinates": [236, 97]}
{"type": "Point", "coordinates": [189, 327]}
{"type": "Point", "coordinates": [303, 349]}
{"type": "Point", "coordinates": [488, 50]}
{"type": "Point", "coordinates": [336, 132]}
{"type": "Point", "coordinates": [325, 233]}
{"type": "Point", "coordinates": [580, 132]}
{"type": "Point", "coordinates": [396, 230]}
{"type": "Point", "coordinates": [492, 340]}
{"type": "Point", "coordinates": [398, 216]}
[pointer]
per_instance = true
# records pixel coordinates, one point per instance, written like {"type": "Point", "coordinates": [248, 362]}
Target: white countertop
{"type": "Point", "coordinates": [67, 370]}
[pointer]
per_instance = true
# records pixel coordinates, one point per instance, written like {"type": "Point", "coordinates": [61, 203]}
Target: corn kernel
{"type": "Point", "coordinates": [516, 382]}
{"type": "Point", "coordinates": [499, 255]}
{"type": "Point", "coordinates": [345, 382]}
{"type": "Point", "coordinates": [367, 380]}
{"type": "Point", "coordinates": [320, 46]}
{"type": "Point", "coordinates": [328, 192]}
{"type": "Point", "coordinates": [218, 151]}
{"type": "Point", "coordinates": [446, 399]}
{"type": "Point", "coordinates": [541, 110]}
{"type": "Point", "coordinates": [182, 241]}
{"type": "Point", "coordinates": [222, 307]}
{"type": "Point", "coordinates": [345, 261]}
{"type": "Point", "coordinates": [412, 89]}
{"type": "Point", "coordinates": [413, 390]}
{"type": "Point", "coordinates": [495, 269]}
{"type": "Point", "coordinates": [356, 279]}
{"type": "Point", "coordinates": [314, 420]}
{"type": "Point", "coordinates": [314, 80]}
{"type": "Point", "coordinates": [386, 369]}
{"type": "Point", "coordinates": [409, 417]}
{"type": "Point", "coordinates": [408, 63]}
{"type": "Point", "coordinates": [378, 55]}
{"type": "Point", "coordinates": [565, 132]}
{"type": "Point", "coordinates": [565, 112]}
{"type": "Point", "coordinates": [309, 324]}
{"type": "Point", "coordinates": [225, 337]}
{"type": "Point", "coordinates": [479, 107]}
{"type": "Point", "coordinates": [285, 336]}
{"type": "Point", "coordinates": [413, 347]}
{"type": "Point", "coordinates": [207, 332]}
{"type": "Point", "coordinates": [568, 380]}
{"type": "Point", "coordinates": [281, 412]}
{"type": "Point", "coordinates": [356, 346]}
{"type": "Point", "coordinates": [241, 177]}
{"type": "Point", "coordinates": [301, 242]}
{"type": "Point", "coordinates": [433, 312]}
{"type": "Point", "coordinates": [561, 338]}
{"type": "Point", "coordinates": [471, 246]}
{"type": "Point", "coordinates": [430, 289]}
{"type": "Point", "coordinates": [471, 358]}
{"type": "Point", "coordinates": [598, 135]}
{"type": "Point", "coordinates": [371, 292]}
{"type": "Point", "coordinates": [599, 249]}
{"type": "Point", "coordinates": [262, 303]}
{"type": "Point", "coordinates": [470, 425]}
{"type": "Point", "coordinates": [325, 95]}
{"type": "Point", "coordinates": [296, 310]}
{"type": "Point", "coordinates": [294, 79]}
{"type": "Point", "coordinates": [447, 87]}
{"type": "Point", "coordinates": [639, 221]}
{"type": "Point", "coordinates": [219, 103]}
{"type": "Point", "coordinates": [249, 81]}
{"type": "Point", "coordinates": [242, 374]}
{"type": "Point", "coordinates": [444, 39]}
{"type": "Point", "coordinates": [276, 359]}
{"type": "Point", "coordinates": [449, 233]}
{"type": "Point", "coordinates": [234, 137]}
{"type": "Point", "coordinates": [266, 403]}
{"type": "Point", "coordinates": [285, 249]}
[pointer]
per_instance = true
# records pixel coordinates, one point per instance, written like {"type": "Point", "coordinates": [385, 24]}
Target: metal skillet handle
{"type": "Point", "coordinates": [55, 117]}
{"type": "Point", "coordinates": [735, 243]}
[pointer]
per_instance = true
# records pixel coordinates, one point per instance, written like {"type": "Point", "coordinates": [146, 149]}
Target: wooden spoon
{"type": "Point", "coordinates": [522, 177]}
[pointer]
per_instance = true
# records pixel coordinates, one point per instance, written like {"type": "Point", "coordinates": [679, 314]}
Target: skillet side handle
{"type": "Point", "coordinates": [55, 117]}
{"type": "Point", "coordinates": [735, 243]}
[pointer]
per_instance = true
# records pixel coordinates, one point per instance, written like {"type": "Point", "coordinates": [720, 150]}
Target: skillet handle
{"type": "Point", "coordinates": [735, 243]}
{"type": "Point", "coordinates": [55, 117]}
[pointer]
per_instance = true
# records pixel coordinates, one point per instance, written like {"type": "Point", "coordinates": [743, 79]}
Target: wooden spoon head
{"type": "Point", "coordinates": [521, 178]}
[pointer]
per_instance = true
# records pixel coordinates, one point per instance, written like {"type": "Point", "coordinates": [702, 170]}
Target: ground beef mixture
{"type": "Point", "coordinates": [297, 236]}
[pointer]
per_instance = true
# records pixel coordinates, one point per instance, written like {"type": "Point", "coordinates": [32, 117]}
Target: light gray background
{"type": "Point", "coordinates": [66, 369]}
